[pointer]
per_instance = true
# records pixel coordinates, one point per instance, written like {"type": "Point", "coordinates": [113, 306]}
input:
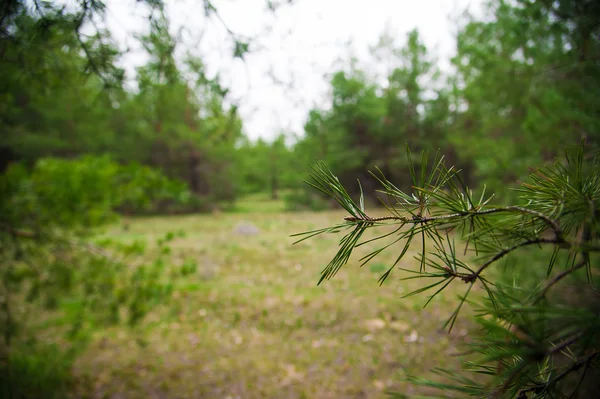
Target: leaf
{"type": "Point", "coordinates": [240, 49]}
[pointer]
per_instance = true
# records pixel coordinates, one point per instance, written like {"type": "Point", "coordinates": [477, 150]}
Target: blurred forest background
{"type": "Point", "coordinates": [79, 147]}
{"type": "Point", "coordinates": [523, 85]}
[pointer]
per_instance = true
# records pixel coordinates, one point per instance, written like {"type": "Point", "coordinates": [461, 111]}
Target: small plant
{"type": "Point", "coordinates": [538, 339]}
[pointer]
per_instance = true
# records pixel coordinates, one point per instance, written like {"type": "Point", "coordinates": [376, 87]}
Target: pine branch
{"type": "Point", "coordinates": [554, 215]}
{"type": "Point", "coordinates": [419, 219]}
{"type": "Point", "coordinates": [540, 388]}
{"type": "Point", "coordinates": [565, 343]}
{"type": "Point", "coordinates": [506, 251]}
{"type": "Point", "coordinates": [558, 278]}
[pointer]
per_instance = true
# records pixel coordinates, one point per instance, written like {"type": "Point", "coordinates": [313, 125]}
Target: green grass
{"type": "Point", "coordinates": [251, 322]}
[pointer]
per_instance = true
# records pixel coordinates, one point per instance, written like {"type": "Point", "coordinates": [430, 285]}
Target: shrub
{"type": "Point", "coordinates": [51, 268]}
{"type": "Point", "coordinates": [300, 200]}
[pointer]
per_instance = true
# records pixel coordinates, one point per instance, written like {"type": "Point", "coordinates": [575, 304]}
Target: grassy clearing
{"type": "Point", "coordinates": [251, 323]}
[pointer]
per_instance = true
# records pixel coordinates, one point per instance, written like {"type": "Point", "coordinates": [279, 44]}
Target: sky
{"type": "Point", "coordinates": [294, 49]}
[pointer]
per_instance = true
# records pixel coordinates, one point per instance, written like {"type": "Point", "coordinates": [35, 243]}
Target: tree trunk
{"type": "Point", "coordinates": [6, 157]}
{"type": "Point", "coordinates": [274, 186]}
{"type": "Point", "coordinates": [198, 173]}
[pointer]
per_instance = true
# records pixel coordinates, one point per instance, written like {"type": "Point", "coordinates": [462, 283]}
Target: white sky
{"type": "Point", "coordinates": [298, 45]}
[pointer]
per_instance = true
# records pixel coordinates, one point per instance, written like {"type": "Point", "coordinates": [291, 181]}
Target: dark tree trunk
{"type": "Point", "coordinates": [274, 177]}
{"type": "Point", "coordinates": [274, 186]}
{"type": "Point", "coordinates": [198, 174]}
{"type": "Point", "coordinates": [6, 158]}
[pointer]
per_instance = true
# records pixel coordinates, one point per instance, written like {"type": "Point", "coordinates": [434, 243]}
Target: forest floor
{"type": "Point", "coordinates": [252, 322]}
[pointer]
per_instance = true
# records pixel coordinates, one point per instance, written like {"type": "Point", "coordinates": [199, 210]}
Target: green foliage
{"type": "Point", "coordinates": [83, 192]}
{"type": "Point", "coordinates": [34, 371]}
{"type": "Point", "coordinates": [52, 267]}
{"type": "Point", "coordinates": [522, 71]}
{"type": "Point", "coordinates": [370, 118]}
{"type": "Point", "coordinates": [266, 167]}
{"type": "Point", "coordinates": [524, 84]}
{"type": "Point", "coordinates": [62, 95]}
{"type": "Point", "coordinates": [61, 193]}
{"type": "Point", "coordinates": [303, 199]}
{"type": "Point", "coordinates": [147, 190]}
{"type": "Point", "coordinates": [539, 335]}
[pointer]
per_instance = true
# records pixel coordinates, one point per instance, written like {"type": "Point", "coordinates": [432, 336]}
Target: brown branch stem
{"type": "Point", "coordinates": [557, 278]}
{"type": "Point", "coordinates": [574, 367]}
{"type": "Point", "coordinates": [553, 224]}
{"type": "Point", "coordinates": [565, 343]}
{"type": "Point", "coordinates": [506, 251]}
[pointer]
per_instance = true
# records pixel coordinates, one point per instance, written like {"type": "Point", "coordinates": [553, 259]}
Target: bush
{"type": "Point", "coordinates": [51, 268]}
{"type": "Point", "coordinates": [147, 190]}
{"type": "Point", "coordinates": [301, 200]}
{"type": "Point", "coordinates": [539, 317]}
{"type": "Point", "coordinates": [88, 190]}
